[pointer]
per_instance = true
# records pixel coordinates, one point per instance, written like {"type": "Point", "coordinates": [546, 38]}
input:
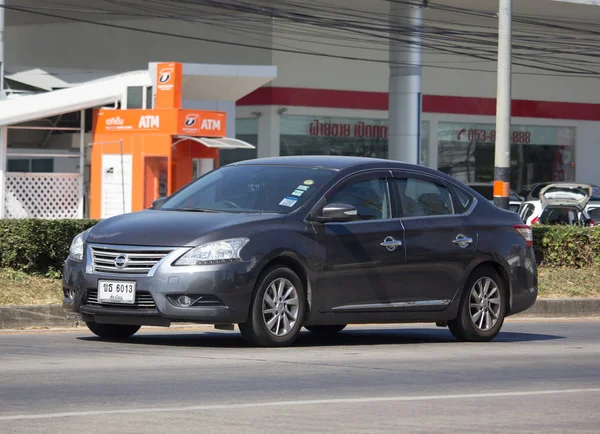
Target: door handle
{"type": "Point", "coordinates": [463, 241]}
{"type": "Point", "coordinates": [391, 244]}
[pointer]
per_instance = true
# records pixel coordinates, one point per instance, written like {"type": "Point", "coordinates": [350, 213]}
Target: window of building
{"type": "Point", "coordinates": [538, 153]}
{"type": "Point", "coordinates": [37, 165]}
{"type": "Point", "coordinates": [314, 135]}
{"type": "Point", "coordinates": [18, 165]}
{"type": "Point", "coordinates": [149, 99]}
{"type": "Point", "coordinates": [246, 129]}
{"type": "Point", "coordinates": [135, 97]}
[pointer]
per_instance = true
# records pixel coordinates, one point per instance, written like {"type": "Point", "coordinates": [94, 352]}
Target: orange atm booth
{"type": "Point", "coordinates": [139, 155]}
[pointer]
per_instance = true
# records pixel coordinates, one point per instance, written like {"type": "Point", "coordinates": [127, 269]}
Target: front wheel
{"type": "Point", "coordinates": [112, 331]}
{"type": "Point", "coordinates": [326, 329]}
{"type": "Point", "coordinates": [277, 310]}
{"type": "Point", "coordinates": [482, 310]}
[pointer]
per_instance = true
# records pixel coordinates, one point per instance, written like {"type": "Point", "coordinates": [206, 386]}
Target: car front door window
{"type": "Point", "coordinates": [369, 197]}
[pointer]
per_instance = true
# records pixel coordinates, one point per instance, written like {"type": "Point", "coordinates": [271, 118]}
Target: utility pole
{"type": "Point", "coordinates": [404, 115]}
{"type": "Point", "coordinates": [503, 109]}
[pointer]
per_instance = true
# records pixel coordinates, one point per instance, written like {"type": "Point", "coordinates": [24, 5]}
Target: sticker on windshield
{"type": "Point", "coordinates": [309, 182]}
{"type": "Point", "coordinates": [289, 201]}
{"type": "Point", "coordinates": [297, 193]}
{"type": "Point", "coordinates": [302, 187]}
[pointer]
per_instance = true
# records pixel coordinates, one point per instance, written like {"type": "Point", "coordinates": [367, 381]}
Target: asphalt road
{"type": "Point", "coordinates": [536, 377]}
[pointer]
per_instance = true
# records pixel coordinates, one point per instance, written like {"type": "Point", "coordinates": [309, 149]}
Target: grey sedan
{"type": "Point", "coordinates": [274, 245]}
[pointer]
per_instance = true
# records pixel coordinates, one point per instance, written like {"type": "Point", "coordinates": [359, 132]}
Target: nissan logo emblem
{"type": "Point", "coordinates": [121, 261]}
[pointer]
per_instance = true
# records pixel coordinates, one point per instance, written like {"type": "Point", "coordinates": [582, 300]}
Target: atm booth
{"type": "Point", "coordinates": [139, 155]}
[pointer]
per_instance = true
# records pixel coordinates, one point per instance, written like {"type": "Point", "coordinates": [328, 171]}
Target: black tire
{"type": "Point", "coordinates": [255, 329]}
{"type": "Point", "coordinates": [466, 327]}
{"type": "Point", "coordinates": [112, 331]}
{"type": "Point", "coordinates": [326, 329]}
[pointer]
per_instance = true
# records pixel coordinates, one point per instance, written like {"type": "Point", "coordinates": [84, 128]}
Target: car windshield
{"type": "Point", "coordinates": [249, 189]}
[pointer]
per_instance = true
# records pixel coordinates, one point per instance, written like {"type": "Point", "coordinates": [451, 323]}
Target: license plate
{"type": "Point", "coordinates": [114, 291]}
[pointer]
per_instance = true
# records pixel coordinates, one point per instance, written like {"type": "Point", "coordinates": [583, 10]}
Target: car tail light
{"type": "Point", "coordinates": [535, 221]}
{"type": "Point", "coordinates": [526, 233]}
{"type": "Point", "coordinates": [592, 222]}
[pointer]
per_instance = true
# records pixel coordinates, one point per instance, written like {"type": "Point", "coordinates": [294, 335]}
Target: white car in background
{"type": "Point", "coordinates": [564, 204]}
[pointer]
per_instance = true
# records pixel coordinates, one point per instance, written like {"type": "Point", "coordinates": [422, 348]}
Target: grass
{"type": "Point", "coordinates": [569, 282]}
{"type": "Point", "coordinates": [17, 287]}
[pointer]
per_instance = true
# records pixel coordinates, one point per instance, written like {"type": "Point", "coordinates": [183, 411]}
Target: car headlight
{"type": "Point", "coordinates": [214, 253]}
{"type": "Point", "coordinates": [76, 249]}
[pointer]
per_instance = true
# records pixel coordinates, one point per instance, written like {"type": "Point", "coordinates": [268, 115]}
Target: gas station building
{"type": "Point", "coordinates": [89, 129]}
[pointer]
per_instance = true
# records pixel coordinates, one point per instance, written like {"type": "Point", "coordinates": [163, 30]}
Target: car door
{"type": "Point", "coordinates": [361, 257]}
{"type": "Point", "coordinates": [440, 240]}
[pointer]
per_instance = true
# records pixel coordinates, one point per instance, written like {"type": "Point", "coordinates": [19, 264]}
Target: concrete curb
{"type": "Point", "coordinates": [25, 316]}
{"type": "Point", "coordinates": [32, 316]}
{"type": "Point", "coordinates": [563, 308]}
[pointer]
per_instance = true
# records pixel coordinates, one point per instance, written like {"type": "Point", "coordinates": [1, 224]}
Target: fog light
{"type": "Point", "coordinates": [184, 301]}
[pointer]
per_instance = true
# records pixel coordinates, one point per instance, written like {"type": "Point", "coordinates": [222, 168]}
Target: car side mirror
{"type": "Point", "coordinates": [158, 202]}
{"type": "Point", "coordinates": [338, 212]}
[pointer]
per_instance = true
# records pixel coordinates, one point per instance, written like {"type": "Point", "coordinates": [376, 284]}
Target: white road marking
{"type": "Point", "coordinates": [299, 402]}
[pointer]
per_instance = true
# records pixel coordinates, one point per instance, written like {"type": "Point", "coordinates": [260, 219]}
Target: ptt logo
{"type": "Point", "coordinates": [164, 75]}
{"type": "Point", "coordinates": [190, 120]}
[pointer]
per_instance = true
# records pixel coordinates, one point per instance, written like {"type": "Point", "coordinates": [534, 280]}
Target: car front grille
{"type": "Point", "coordinates": [138, 261]}
{"type": "Point", "coordinates": [143, 300]}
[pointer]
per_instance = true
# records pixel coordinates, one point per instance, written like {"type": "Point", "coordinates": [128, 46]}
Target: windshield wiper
{"type": "Point", "coordinates": [195, 210]}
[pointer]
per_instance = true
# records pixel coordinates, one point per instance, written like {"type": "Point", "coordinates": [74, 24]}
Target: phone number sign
{"type": "Point", "coordinates": [520, 135]}
{"type": "Point", "coordinates": [483, 135]}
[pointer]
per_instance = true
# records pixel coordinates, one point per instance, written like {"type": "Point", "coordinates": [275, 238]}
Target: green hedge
{"type": "Point", "coordinates": [38, 246]}
{"type": "Point", "coordinates": [41, 246]}
{"type": "Point", "coordinates": [567, 246]}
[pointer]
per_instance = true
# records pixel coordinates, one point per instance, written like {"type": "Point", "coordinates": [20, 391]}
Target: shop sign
{"type": "Point", "coordinates": [188, 122]}
{"type": "Point", "coordinates": [519, 135]}
{"type": "Point", "coordinates": [168, 85]}
{"type": "Point", "coordinates": [198, 123]}
{"type": "Point", "coordinates": [359, 129]}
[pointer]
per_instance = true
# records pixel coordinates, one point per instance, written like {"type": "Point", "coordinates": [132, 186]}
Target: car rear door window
{"type": "Point", "coordinates": [418, 197]}
{"type": "Point", "coordinates": [463, 201]}
{"type": "Point", "coordinates": [369, 197]}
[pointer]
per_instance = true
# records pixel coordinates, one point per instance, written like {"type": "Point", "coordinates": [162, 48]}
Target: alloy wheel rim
{"type": "Point", "coordinates": [280, 307]}
{"type": "Point", "coordinates": [484, 304]}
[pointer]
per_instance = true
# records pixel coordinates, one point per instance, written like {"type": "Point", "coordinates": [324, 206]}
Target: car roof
{"type": "Point", "coordinates": [332, 162]}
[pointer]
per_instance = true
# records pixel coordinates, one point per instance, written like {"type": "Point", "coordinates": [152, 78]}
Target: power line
{"type": "Point", "coordinates": [376, 32]}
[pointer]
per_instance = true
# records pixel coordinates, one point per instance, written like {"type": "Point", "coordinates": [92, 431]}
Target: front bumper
{"type": "Point", "coordinates": [225, 292]}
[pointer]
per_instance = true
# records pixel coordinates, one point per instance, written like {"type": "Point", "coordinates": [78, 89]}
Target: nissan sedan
{"type": "Point", "coordinates": [319, 242]}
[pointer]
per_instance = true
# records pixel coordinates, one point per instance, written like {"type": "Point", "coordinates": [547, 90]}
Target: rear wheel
{"type": "Point", "coordinates": [483, 306]}
{"type": "Point", "coordinates": [112, 331]}
{"type": "Point", "coordinates": [277, 310]}
{"type": "Point", "coordinates": [326, 329]}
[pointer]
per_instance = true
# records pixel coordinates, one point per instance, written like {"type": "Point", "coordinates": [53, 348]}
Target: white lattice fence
{"type": "Point", "coordinates": [42, 195]}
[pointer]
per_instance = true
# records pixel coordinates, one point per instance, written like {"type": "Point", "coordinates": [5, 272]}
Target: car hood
{"type": "Point", "coordinates": [566, 195]}
{"type": "Point", "coordinates": [172, 228]}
